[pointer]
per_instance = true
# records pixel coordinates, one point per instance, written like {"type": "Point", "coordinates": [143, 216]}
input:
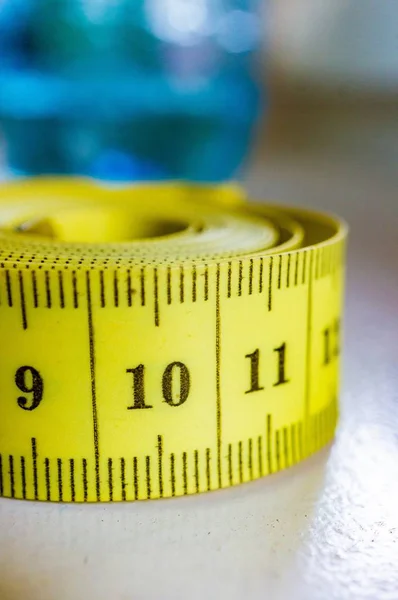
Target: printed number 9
{"type": "Point", "coordinates": [29, 381]}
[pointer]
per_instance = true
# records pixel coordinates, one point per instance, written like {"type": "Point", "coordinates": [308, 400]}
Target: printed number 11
{"type": "Point", "coordinates": [254, 358]}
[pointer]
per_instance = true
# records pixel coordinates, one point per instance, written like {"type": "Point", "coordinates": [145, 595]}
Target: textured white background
{"type": "Point", "coordinates": [325, 530]}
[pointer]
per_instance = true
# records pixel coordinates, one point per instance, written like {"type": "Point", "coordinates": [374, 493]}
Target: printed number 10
{"type": "Point", "coordinates": [176, 383]}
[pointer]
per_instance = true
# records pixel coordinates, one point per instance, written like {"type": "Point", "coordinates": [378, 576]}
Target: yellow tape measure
{"type": "Point", "coordinates": [162, 340]}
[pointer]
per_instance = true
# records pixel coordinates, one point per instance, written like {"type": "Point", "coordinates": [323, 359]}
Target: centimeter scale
{"type": "Point", "coordinates": [161, 340]}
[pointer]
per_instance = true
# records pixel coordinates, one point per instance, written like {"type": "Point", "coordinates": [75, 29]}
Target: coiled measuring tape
{"type": "Point", "coordinates": [158, 341]}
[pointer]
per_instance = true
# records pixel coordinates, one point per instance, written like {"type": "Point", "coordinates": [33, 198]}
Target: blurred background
{"type": "Point", "coordinates": [128, 89]}
{"type": "Point", "coordinates": [333, 75]}
{"type": "Point", "coordinates": [191, 89]}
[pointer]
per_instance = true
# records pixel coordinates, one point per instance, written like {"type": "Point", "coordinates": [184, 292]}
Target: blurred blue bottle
{"type": "Point", "coordinates": [128, 89]}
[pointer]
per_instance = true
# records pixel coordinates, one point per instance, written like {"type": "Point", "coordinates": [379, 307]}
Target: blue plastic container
{"type": "Point", "coordinates": [128, 89]}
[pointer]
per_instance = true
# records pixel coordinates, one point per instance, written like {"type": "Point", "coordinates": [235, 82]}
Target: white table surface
{"type": "Point", "coordinates": [326, 529]}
